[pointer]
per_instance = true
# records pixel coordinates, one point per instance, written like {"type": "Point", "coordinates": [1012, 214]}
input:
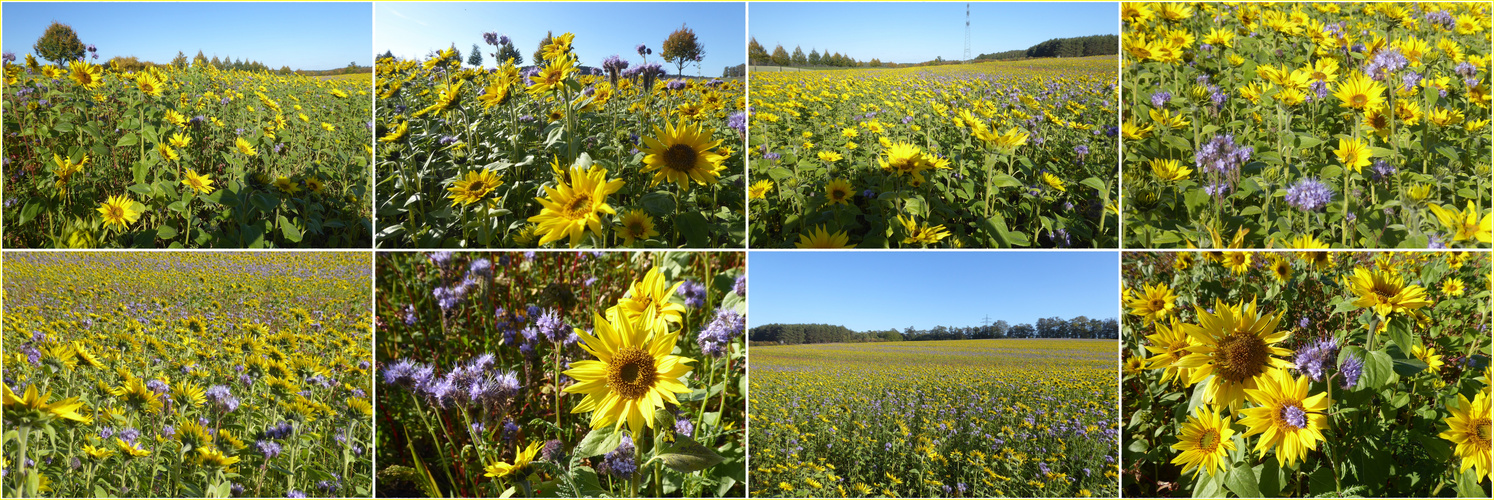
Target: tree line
{"type": "Point", "coordinates": [759, 56]}
{"type": "Point", "coordinates": [1093, 45]}
{"type": "Point", "coordinates": [1079, 327]}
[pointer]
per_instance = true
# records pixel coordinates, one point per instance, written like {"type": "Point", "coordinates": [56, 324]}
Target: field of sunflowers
{"type": "Point", "coordinates": [543, 374]}
{"type": "Point", "coordinates": [1360, 125]}
{"type": "Point", "coordinates": [959, 418]}
{"type": "Point", "coordinates": [1003, 154]}
{"type": "Point", "coordinates": [187, 375]}
{"type": "Point", "coordinates": [557, 154]}
{"type": "Point", "coordinates": [98, 157]}
{"type": "Point", "coordinates": [1303, 374]}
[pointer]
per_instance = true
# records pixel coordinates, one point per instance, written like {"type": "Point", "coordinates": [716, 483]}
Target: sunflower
{"type": "Point", "coordinates": [85, 74]}
{"type": "Point", "coordinates": [1386, 293]}
{"type": "Point", "coordinates": [1465, 225]}
{"type": "Point", "coordinates": [86, 357]}
{"type": "Point", "coordinates": [522, 458]}
{"type": "Point", "coordinates": [558, 46]}
{"type": "Point", "coordinates": [1281, 268]}
{"type": "Point", "coordinates": [1238, 262]}
{"type": "Point", "coordinates": [1354, 154]}
{"type": "Point", "coordinates": [1468, 429]}
{"type": "Point", "coordinates": [838, 191]}
{"type": "Point", "coordinates": [1168, 346]}
{"type": "Point", "coordinates": [97, 453]}
{"type": "Point", "coordinates": [634, 373]}
{"type": "Point", "coordinates": [199, 183]}
{"type": "Point", "coordinates": [1169, 170]}
{"type": "Point", "coordinates": [286, 185]}
{"type": "Point", "coordinates": [1182, 261]}
{"type": "Point", "coordinates": [1232, 346]}
{"type": "Point", "coordinates": [637, 225]}
{"type": "Point", "coordinates": [648, 300]}
{"type": "Point", "coordinates": [1429, 356]}
{"type": "Point", "coordinates": [904, 158]}
{"type": "Point", "coordinates": [1053, 182]}
{"type": "Point", "coordinates": [759, 190]}
{"type": "Point", "coordinates": [1452, 287]}
{"type": "Point", "coordinates": [925, 235]}
{"type": "Point", "coordinates": [473, 187]}
{"type": "Point", "coordinates": [398, 133]}
{"type": "Point", "coordinates": [119, 211]}
{"type": "Point", "coordinates": [1204, 442]}
{"type": "Point", "coordinates": [1155, 303]}
{"type": "Point", "coordinates": [820, 238]}
{"type": "Point", "coordinates": [552, 77]}
{"type": "Point", "coordinates": [167, 153]}
{"type": "Point", "coordinates": [682, 153]}
{"type": "Point", "coordinates": [34, 408]}
{"type": "Point", "coordinates": [135, 393]}
{"type": "Point", "coordinates": [244, 147]}
{"type": "Point", "coordinates": [130, 448]}
{"type": "Point", "coordinates": [1360, 92]}
{"type": "Point", "coordinates": [188, 393]}
{"type": "Point", "coordinates": [449, 97]}
{"type": "Point", "coordinates": [1288, 419]}
{"type": "Point", "coordinates": [211, 457]}
{"type": "Point", "coordinates": [149, 84]}
{"type": "Point", "coordinates": [570, 209]}
{"type": "Point", "coordinates": [829, 156]}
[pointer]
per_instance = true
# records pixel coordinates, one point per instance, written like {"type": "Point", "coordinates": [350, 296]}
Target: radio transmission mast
{"type": "Point", "coordinates": [967, 31]}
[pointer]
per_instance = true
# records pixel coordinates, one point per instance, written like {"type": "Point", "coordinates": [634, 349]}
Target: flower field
{"type": "Point", "coordinates": [194, 156]}
{"type": "Point", "coordinates": [1003, 154]}
{"type": "Point", "coordinates": [1258, 374]}
{"type": "Point", "coordinates": [962, 418]}
{"type": "Point", "coordinates": [187, 375]}
{"type": "Point", "coordinates": [1358, 125]}
{"type": "Point", "coordinates": [544, 374]}
{"type": "Point", "coordinates": [557, 154]}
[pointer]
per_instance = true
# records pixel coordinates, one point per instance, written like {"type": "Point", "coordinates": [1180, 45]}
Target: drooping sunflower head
{"type": "Point", "coordinates": [1204, 441]}
{"type": "Point", "coordinates": [1288, 419]}
{"type": "Point", "coordinates": [1385, 292]}
{"type": "Point", "coordinates": [1235, 344]}
{"type": "Point", "coordinates": [634, 373]}
{"type": "Point", "coordinates": [683, 153]}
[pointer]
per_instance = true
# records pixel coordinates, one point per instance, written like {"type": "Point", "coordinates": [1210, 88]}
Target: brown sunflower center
{"type": "Point", "coordinates": [1359, 100]}
{"type": "Point", "coordinates": [1480, 428]}
{"type": "Point", "coordinates": [680, 158]}
{"type": "Point", "coordinates": [578, 206]}
{"type": "Point", "coordinates": [116, 212]}
{"type": "Point", "coordinates": [632, 373]}
{"type": "Point", "coordinates": [1243, 356]}
{"type": "Point", "coordinates": [476, 187]}
{"type": "Point", "coordinates": [635, 227]}
{"type": "Point", "coordinates": [1383, 292]}
{"type": "Point", "coordinates": [1157, 304]}
{"type": "Point", "coordinates": [1209, 441]}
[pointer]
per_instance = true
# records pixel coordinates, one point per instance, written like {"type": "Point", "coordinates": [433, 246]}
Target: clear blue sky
{"type": "Point", "coordinates": [311, 36]}
{"type": "Point", "coordinates": [917, 32]}
{"type": "Point", "coordinates": [414, 29]}
{"type": "Point", "coordinates": [879, 290]}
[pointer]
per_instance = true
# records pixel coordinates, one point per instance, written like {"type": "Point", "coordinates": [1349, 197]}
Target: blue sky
{"type": "Point", "coordinates": [311, 36]}
{"type": "Point", "coordinates": [918, 32]}
{"type": "Point", "coordinates": [872, 290]}
{"type": "Point", "coordinates": [413, 29]}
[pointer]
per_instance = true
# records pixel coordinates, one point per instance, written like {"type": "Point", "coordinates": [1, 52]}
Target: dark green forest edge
{"type": "Point", "coordinates": [1093, 45]}
{"type": "Point", "coordinates": [1079, 327]}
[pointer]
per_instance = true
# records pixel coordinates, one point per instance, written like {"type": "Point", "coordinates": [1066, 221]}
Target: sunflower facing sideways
{"type": "Point", "coordinates": [571, 208]}
{"type": "Point", "coordinates": [634, 373]}
{"type": "Point", "coordinates": [1232, 347]}
{"type": "Point", "coordinates": [681, 154]}
{"type": "Point", "coordinates": [522, 458]}
{"type": "Point", "coordinates": [1385, 292]}
{"type": "Point", "coordinates": [1468, 429]}
{"type": "Point", "coordinates": [822, 238]}
{"type": "Point", "coordinates": [1287, 418]}
{"type": "Point", "coordinates": [648, 301]}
